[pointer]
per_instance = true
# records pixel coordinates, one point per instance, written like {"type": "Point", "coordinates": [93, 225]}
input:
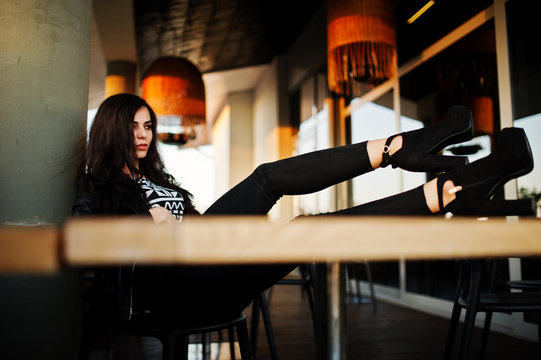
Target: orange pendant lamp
{"type": "Point", "coordinates": [174, 88]}
{"type": "Point", "coordinates": [483, 115]}
{"type": "Point", "coordinates": [361, 43]}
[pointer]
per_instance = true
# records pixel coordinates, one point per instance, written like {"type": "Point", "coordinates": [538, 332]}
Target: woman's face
{"type": "Point", "coordinates": [142, 132]}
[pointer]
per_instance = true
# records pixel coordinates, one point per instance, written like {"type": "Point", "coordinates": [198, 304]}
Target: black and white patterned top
{"type": "Point", "coordinates": [169, 199]}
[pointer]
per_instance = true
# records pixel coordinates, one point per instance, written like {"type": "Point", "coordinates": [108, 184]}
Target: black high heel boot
{"type": "Point", "coordinates": [475, 183]}
{"type": "Point", "coordinates": [420, 147]}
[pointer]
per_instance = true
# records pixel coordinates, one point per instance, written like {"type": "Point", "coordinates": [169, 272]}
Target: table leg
{"type": "Point", "coordinates": [334, 312]}
{"type": "Point", "coordinates": [329, 329]}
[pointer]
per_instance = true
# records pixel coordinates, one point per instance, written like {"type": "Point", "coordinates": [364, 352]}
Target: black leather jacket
{"type": "Point", "coordinates": [122, 289]}
{"type": "Point", "coordinates": [84, 205]}
{"type": "Point", "coordinates": [85, 202]}
{"type": "Point", "coordinates": [115, 286]}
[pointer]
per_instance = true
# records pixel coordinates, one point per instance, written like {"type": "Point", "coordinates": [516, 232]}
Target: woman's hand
{"type": "Point", "coordinates": [161, 215]}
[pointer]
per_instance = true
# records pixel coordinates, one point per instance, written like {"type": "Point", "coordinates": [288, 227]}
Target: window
{"type": "Point", "coordinates": [376, 120]}
{"type": "Point", "coordinates": [314, 135]}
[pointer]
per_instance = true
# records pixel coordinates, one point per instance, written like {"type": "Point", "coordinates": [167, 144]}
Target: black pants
{"type": "Point", "coordinates": [194, 293]}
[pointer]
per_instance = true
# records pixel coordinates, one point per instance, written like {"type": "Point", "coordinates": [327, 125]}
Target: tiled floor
{"type": "Point", "coordinates": [393, 332]}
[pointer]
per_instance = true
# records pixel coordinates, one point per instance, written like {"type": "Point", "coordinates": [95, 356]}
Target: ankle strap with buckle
{"type": "Point", "coordinates": [386, 156]}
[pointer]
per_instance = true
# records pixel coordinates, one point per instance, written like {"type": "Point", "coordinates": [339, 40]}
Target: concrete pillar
{"type": "Point", "coordinates": [241, 136]}
{"type": "Point", "coordinates": [232, 137]}
{"type": "Point", "coordinates": [120, 78]}
{"type": "Point", "coordinates": [273, 136]}
{"type": "Point", "coordinates": [43, 101]}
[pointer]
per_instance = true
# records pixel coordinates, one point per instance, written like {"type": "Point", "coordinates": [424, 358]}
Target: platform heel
{"type": "Point", "coordinates": [475, 183]}
{"type": "Point", "coordinates": [419, 151]}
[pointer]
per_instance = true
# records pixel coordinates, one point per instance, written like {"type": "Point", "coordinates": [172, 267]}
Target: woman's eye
{"type": "Point", "coordinates": [148, 127]}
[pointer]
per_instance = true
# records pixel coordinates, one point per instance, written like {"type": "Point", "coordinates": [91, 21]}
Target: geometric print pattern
{"type": "Point", "coordinates": [160, 196]}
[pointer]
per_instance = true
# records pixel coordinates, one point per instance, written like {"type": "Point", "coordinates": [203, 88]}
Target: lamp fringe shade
{"type": "Point", "coordinates": [361, 43]}
{"type": "Point", "coordinates": [174, 88]}
{"type": "Point", "coordinates": [483, 114]}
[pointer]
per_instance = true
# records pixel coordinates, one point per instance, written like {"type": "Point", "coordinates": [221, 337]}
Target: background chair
{"type": "Point", "coordinates": [260, 306]}
{"type": "Point", "coordinates": [531, 285]}
{"type": "Point", "coordinates": [101, 314]}
{"type": "Point", "coordinates": [353, 272]}
{"type": "Point", "coordinates": [175, 338]}
{"type": "Point", "coordinates": [470, 298]}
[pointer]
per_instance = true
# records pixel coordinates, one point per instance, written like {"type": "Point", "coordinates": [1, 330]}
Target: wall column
{"type": "Point", "coordinates": [241, 147]}
{"type": "Point", "coordinates": [43, 102]}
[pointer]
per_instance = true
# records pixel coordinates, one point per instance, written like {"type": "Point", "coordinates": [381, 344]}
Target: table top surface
{"type": "Point", "coordinates": [241, 239]}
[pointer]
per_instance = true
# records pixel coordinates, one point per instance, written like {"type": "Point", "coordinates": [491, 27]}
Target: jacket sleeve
{"type": "Point", "coordinates": [84, 205]}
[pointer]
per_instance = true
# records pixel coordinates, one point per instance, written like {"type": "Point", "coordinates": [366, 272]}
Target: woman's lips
{"type": "Point", "coordinates": [141, 147]}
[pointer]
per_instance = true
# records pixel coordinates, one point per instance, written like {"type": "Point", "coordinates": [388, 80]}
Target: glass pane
{"type": "Point", "coordinates": [525, 63]}
{"type": "Point", "coordinates": [377, 120]}
{"type": "Point", "coordinates": [463, 74]}
{"type": "Point", "coordinates": [370, 121]}
{"type": "Point", "coordinates": [422, 278]}
{"type": "Point", "coordinates": [524, 56]}
{"type": "Point", "coordinates": [384, 272]}
{"type": "Point", "coordinates": [200, 179]}
{"type": "Point", "coordinates": [529, 186]}
{"type": "Point", "coordinates": [314, 135]}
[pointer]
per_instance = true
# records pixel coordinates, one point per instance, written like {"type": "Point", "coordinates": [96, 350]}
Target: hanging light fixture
{"type": "Point", "coordinates": [467, 74]}
{"type": "Point", "coordinates": [174, 88]}
{"type": "Point", "coordinates": [483, 115]}
{"type": "Point", "coordinates": [361, 44]}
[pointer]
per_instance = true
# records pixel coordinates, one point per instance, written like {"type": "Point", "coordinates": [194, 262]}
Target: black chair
{"type": "Point", "coordinates": [531, 285]}
{"type": "Point", "coordinates": [470, 298]}
{"type": "Point", "coordinates": [526, 285]}
{"type": "Point", "coordinates": [260, 305]}
{"type": "Point", "coordinates": [100, 314]}
{"type": "Point", "coordinates": [355, 296]}
{"type": "Point", "coordinates": [175, 338]}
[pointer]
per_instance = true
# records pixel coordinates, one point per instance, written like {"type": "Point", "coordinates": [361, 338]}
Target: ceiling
{"type": "Point", "coordinates": [230, 41]}
{"type": "Point", "coordinates": [218, 35]}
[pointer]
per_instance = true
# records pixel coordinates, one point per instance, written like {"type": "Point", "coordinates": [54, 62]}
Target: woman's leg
{"type": "Point", "coordinates": [197, 294]}
{"type": "Point", "coordinates": [297, 175]}
{"type": "Point", "coordinates": [315, 171]}
{"type": "Point", "coordinates": [305, 174]}
{"type": "Point", "coordinates": [422, 200]}
{"type": "Point", "coordinates": [238, 285]}
{"type": "Point", "coordinates": [466, 190]}
{"type": "Point", "coordinates": [190, 292]}
{"type": "Point", "coordinates": [415, 151]}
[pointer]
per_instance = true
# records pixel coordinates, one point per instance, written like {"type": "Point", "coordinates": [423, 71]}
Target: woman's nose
{"type": "Point", "coordinates": [140, 133]}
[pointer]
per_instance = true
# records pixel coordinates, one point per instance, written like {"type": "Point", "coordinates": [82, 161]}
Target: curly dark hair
{"type": "Point", "coordinates": [110, 149]}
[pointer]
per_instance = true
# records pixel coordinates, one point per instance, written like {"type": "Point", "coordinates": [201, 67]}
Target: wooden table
{"type": "Point", "coordinates": [237, 240]}
{"type": "Point", "coordinates": [29, 249]}
{"type": "Point", "coordinates": [330, 240]}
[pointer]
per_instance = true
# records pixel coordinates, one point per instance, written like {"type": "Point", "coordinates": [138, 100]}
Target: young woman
{"type": "Point", "coordinates": [122, 174]}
